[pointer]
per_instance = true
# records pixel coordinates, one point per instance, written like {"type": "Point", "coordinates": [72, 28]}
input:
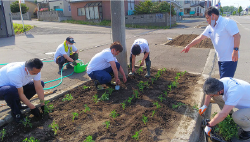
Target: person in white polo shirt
{"type": "Point", "coordinates": [225, 37]}
{"type": "Point", "coordinates": [140, 46]}
{"type": "Point", "coordinates": [66, 52]}
{"type": "Point", "coordinates": [104, 65]}
{"type": "Point", "coordinates": [21, 81]}
{"type": "Point", "coordinates": [229, 93]}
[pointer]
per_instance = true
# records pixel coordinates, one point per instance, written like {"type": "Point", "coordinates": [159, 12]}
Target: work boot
{"type": "Point", "coordinates": [98, 85]}
{"type": "Point", "coordinates": [68, 66]}
{"type": "Point", "coordinates": [244, 135]}
{"type": "Point", "coordinates": [148, 65]}
{"type": "Point", "coordinates": [60, 67]}
{"type": "Point", "coordinates": [17, 117]}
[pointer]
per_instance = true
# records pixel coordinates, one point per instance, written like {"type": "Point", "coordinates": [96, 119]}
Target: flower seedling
{"type": "Point", "coordinates": [110, 90]}
{"type": "Point", "coordinates": [86, 108]}
{"type": "Point", "coordinates": [130, 99]}
{"type": "Point", "coordinates": [104, 97]}
{"type": "Point", "coordinates": [75, 114]}
{"type": "Point", "coordinates": [26, 122]}
{"type": "Point", "coordinates": [170, 87]}
{"type": "Point", "coordinates": [144, 119]}
{"type": "Point", "coordinates": [153, 113]}
{"type": "Point", "coordinates": [140, 62]}
{"type": "Point", "coordinates": [157, 105]}
{"type": "Point", "coordinates": [85, 87]}
{"type": "Point", "coordinates": [113, 114]}
{"type": "Point", "coordinates": [68, 97]}
{"type": "Point", "coordinates": [3, 133]}
{"type": "Point", "coordinates": [89, 139]}
{"type": "Point", "coordinates": [139, 71]}
{"type": "Point", "coordinates": [174, 84]}
{"type": "Point", "coordinates": [54, 127]}
{"type": "Point", "coordinates": [182, 73]}
{"type": "Point", "coordinates": [164, 69]}
{"type": "Point", "coordinates": [152, 80]}
{"type": "Point", "coordinates": [195, 107]}
{"type": "Point", "coordinates": [178, 74]}
{"type": "Point", "coordinates": [107, 123]}
{"type": "Point", "coordinates": [161, 98]}
{"type": "Point", "coordinates": [95, 98]}
{"type": "Point", "coordinates": [48, 108]}
{"type": "Point", "coordinates": [178, 105]}
{"type": "Point", "coordinates": [124, 104]}
{"type": "Point", "coordinates": [146, 84]}
{"type": "Point", "coordinates": [141, 86]}
{"type": "Point", "coordinates": [166, 93]}
{"type": "Point", "coordinates": [31, 139]}
{"type": "Point", "coordinates": [136, 135]}
{"type": "Point", "coordinates": [136, 93]}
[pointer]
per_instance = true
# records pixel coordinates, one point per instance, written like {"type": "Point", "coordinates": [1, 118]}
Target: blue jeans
{"type": "Point", "coordinates": [11, 96]}
{"type": "Point", "coordinates": [104, 76]}
{"type": "Point", "coordinates": [227, 68]}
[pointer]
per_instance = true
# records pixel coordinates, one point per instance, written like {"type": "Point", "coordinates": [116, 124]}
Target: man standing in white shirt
{"type": "Point", "coordinates": [21, 81]}
{"type": "Point", "coordinates": [229, 93]}
{"type": "Point", "coordinates": [66, 52]}
{"type": "Point", "coordinates": [140, 46]}
{"type": "Point", "coordinates": [104, 64]}
{"type": "Point", "coordinates": [225, 37]}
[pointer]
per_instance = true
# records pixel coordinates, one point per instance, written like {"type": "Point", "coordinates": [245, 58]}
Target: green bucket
{"type": "Point", "coordinates": [80, 67]}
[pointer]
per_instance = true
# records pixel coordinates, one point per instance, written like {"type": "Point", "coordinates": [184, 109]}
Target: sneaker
{"type": "Point", "coordinates": [244, 135]}
{"type": "Point", "coordinates": [131, 73]}
{"type": "Point", "coordinates": [68, 66]}
{"type": "Point", "coordinates": [18, 117]}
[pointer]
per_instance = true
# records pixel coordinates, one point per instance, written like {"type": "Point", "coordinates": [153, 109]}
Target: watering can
{"type": "Point", "coordinates": [80, 67]}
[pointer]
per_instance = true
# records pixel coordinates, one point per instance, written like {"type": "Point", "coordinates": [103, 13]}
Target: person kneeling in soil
{"type": "Point", "coordinates": [140, 46]}
{"type": "Point", "coordinates": [21, 81]}
{"type": "Point", "coordinates": [228, 93]}
{"type": "Point", "coordinates": [66, 52]}
{"type": "Point", "coordinates": [104, 65]}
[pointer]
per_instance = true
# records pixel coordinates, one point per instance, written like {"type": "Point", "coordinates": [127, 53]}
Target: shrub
{"type": "Point", "coordinates": [14, 7]}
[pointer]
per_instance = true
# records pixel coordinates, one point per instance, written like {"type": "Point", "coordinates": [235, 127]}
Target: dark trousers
{"type": "Point", "coordinates": [104, 76]}
{"type": "Point", "coordinates": [61, 60]}
{"type": "Point", "coordinates": [11, 97]}
{"type": "Point", "coordinates": [147, 59]}
{"type": "Point", "coordinates": [227, 68]}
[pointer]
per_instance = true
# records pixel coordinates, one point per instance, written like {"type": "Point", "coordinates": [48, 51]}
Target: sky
{"type": "Point", "coordinates": [236, 3]}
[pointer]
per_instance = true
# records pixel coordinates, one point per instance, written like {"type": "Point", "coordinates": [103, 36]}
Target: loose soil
{"type": "Point", "coordinates": [162, 126]}
{"type": "Point", "coordinates": [184, 40]}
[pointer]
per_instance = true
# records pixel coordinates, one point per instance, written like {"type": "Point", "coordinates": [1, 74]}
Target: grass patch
{"type": "Point", "coordinates": [108, 23]}
{"type": "Point", "coordinates": [18, 28]}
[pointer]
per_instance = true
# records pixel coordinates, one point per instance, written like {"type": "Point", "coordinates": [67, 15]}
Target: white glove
{"type": "Point", "coordinates": [202, 109]}
{"type": "Point", "coordinates": [208, 130]}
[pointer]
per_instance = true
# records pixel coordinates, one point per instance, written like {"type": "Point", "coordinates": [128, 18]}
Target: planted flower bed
{"type": "Point", "coordinates": [142, 110]}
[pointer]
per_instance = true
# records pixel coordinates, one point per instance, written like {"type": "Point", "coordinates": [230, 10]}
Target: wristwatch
{"type": "Point", "coordinates": [236, 48]}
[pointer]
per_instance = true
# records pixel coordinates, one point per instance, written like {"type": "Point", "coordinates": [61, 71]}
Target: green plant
{"type": "Point", "coordinates": [3, 133]}
{"type": "Point", "coordinates": [89, 139]}
{"type": "Point", "coordinates": [104, 97]}
{"type": "Point", "coordinates": [95, 98]}
{"type": "Point", "coordinates": [136, 94]}
{"type": "Point", "coordinates": [107, 123]}
{"type": "Point", "coordinates": [161, 98]}
{"type": "Point", "coordinates": [48, 108]}
{"type": "Point", "coordinates": [86, 108]}
{"type": "Point", "coordinates": [164, 69]}
{"type": "Point", "coordinates": [68, 97]}
{"type": "Point", "coordinates": [141, 86]}
{"type": "Point", "coordinates": [152, 80]}
{"type": "Point", "coordinates": [139, 71]}
{"type": "Point", "coordinates": [158, 75]}
{"type": "Point", "coordinates": [182, 73]}
{"type": "Point", "coordinates": [174, 84]}
{"type": "Point", "coordinates": [31, 139]}
{"type": "Point", "coordinates": [54, 127]}
{"type": "Point", "coordinates": [18, 28]}
{"type": "Point", "coordinates": [166, 93]}
{"type": "Point", "coordinates": [144, 119]}
{"type": "Point", "coordinates": [124, 104]}
{"type": "Point", "coordinates": [146, 84]}
{"type": "Point", "coordinates": [170, 87]}
{"type": "Point", "coordinates": [157, 105]}
{"type": "Point", "coordinates": [110, 90]}
{"type": "Point", "coordinates": [14, 7]}
{"type": "Point", "coordinates": [75, 114]}
{"type": "Point", "coordinates": [113, 114]}
{"type": "Point", "coordinates": [26, 122]}
{"type": "Point", "coordinates": [85, 87]}
{"type": "Point", "coordinates": [130, 99]}
{"type": "Point", "coordinates": [177, 105]}
{"type": "Point", "coordinates": [195, 107]}
{"type": "Point", "coordinates": [153, 113]}
{"type": "Point", "coordinates": [136, 135]}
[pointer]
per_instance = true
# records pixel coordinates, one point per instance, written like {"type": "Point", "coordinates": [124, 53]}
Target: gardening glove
{"type": "Point", "coordinates": [35, 112]}
{"type": "Point", "coordinates": [74, 63]}
{"type": "Point", "coordinates": [208, 130]}
{"type": "Point", "coordinates": [202, 109]}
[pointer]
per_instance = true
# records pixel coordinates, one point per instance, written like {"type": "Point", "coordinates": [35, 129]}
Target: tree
{"type": "Point", "coordinates": [15, 7]}
{"type": "Point", "coordinates": [240, 10]}
{"type": "Point", "coordinates": [221, 11]}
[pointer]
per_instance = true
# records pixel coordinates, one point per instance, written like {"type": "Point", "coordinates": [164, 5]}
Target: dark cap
{"type": "Point", "coordinates": [70, 39]}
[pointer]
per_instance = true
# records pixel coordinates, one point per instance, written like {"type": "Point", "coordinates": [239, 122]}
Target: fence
{"type": "Point", "coordinates": [55, 16]}
{"type": "Point", "coordinates": [17, 16]}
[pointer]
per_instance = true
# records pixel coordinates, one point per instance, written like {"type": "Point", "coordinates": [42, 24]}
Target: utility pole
{"type": "Point", "coordinates": [170, 15]}
{"type": "Point", "coordinates": [118, 30]}
{"type": "Point", "coordinates": [207, 4]}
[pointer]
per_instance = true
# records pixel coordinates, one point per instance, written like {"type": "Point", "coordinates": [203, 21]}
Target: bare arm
{"type": "Point", "coordinates": [39, 91]}
{"type": "Point", "coordinates": [144, 57]}
{"type": "Point", "coordinates": [194, 42]}
{"type": "Point", "coordinates": [24, 99]}
{"type": "Point", "coordinates": [207, 100]}
{"type": "Point", "coordinates": [236, 44]}
{"type": "Point", "coordinates": [221, 115]}
{"type": "Point", "coordinates": [123, 74]}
